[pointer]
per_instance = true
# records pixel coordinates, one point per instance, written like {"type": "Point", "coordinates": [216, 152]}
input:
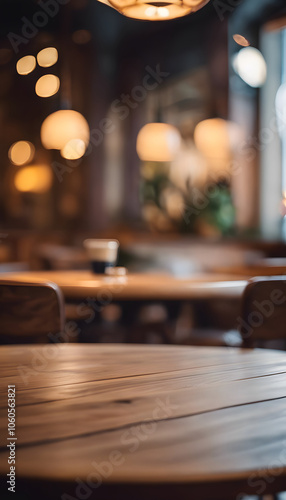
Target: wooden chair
{"type": "Point", "coordinates": [263, 317]}
{"type": "Point", "coordinates": [30, 312]}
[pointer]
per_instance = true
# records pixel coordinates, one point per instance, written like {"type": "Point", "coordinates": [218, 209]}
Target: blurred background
{"type": "Point", "coordinates": [211, 170]}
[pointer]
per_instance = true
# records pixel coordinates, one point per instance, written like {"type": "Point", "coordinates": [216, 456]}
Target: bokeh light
{"type": "Point", "coordinates": [26, 65]}
{"type": "Point", "coordinates": [158, 142]}
{"type": "Point", "coordinates": [63, 126]}
{"type": "Point", "coordinates": [250, 65]}
{"type": "Point", "coordinates": [21, 152]}
{"type": "Point", "coordinates": [47, 85]}
{"type": "Point", "coordinates": [241, 40]}
{"type": "Point", "coordinates": [47, 57]}
{"type": "Point", "coordinates": [34, 179]}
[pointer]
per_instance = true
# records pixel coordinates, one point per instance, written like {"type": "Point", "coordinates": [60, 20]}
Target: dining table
{"type": "Point", "coordinates": [273, 266]}
{"type": "Point", "coordinates": [141, 421]}
{"type": "Point", "coordinates": [212, 297]}
{"type": "Point", "coordinates": [79, 284]}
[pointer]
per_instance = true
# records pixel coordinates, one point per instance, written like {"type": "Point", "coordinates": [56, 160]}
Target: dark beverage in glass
{"type": "Point", "coordinates": [102, 254]}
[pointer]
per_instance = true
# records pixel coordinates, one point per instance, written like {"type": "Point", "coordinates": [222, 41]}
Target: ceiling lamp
{"type": "Point", "coordinates": [250, 65]}
{"type": "Point", "coordinates": [34, 179]}
{"type": "Point", "coordinates": [157, 10]}
{"type": "Point", "coordinates": [218, 140]}
{"type": "Point", "coordinates": [26, 65]}
{"type": "Point", "coordinates": [63, 126]}
{"type": "Point", "coordinates": [47, 57]}
{"type": "Point", "coordinates": [21, 152]}
{"type": "Point", "coordinates": [158, 142]}
{"type": "Point", "coordinates": [47, 85]}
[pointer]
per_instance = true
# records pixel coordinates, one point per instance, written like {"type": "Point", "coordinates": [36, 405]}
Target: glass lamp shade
{"type": "Point", "coordinates": [157, 10]}
{"type": "Point", "coordinates": [218, 140]}
{"type": "Point", "coordinates": [158, 142]}
{"type": "Point", "coordinates": [63, 126]}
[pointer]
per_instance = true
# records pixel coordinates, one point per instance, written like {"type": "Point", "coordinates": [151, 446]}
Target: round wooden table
{"type": "Point", "coordinates": [124, 421]}
{"type": "Point", "coordinates": [78, 285]}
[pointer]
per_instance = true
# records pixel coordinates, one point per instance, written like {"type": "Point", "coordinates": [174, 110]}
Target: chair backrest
{"type": "Point", "coordinates": [30, 311]}
{"type": "Point", "coordinates": [263, 310]}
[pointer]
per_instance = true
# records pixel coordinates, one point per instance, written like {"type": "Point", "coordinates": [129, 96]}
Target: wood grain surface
{"type": "Point", "coordinates": [80, 284]}
{"type": "Point", "coordinates": [203, 421]}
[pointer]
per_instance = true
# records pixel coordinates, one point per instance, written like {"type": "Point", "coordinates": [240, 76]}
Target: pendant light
{"type": "Point", "coordinates": [157, 10]}
{"type": "Point", "coordinates": [66, 129]}
{"type": "Point", "coordinates": [63, 126]}
{"type": "Point", "coordinates": [158, 141]}
{"type": "Point", "coordinates": [218, 140]}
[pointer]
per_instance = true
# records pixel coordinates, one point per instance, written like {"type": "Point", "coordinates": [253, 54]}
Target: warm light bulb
{"type": "Point", "coordinates": [26, 65]}
{"type": "Point", "coordinates": [47, 57]}
{"type": "Point", "coordinates": [21, 152]}
{"type": "Point", "coordinates": [47, 86]}
{"type": "Point", "coordinates": [151, 11]}
{"type": "Point", "coordinates": [163, 12]}
{"type": "Point", "coordinates": [74, 149]}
